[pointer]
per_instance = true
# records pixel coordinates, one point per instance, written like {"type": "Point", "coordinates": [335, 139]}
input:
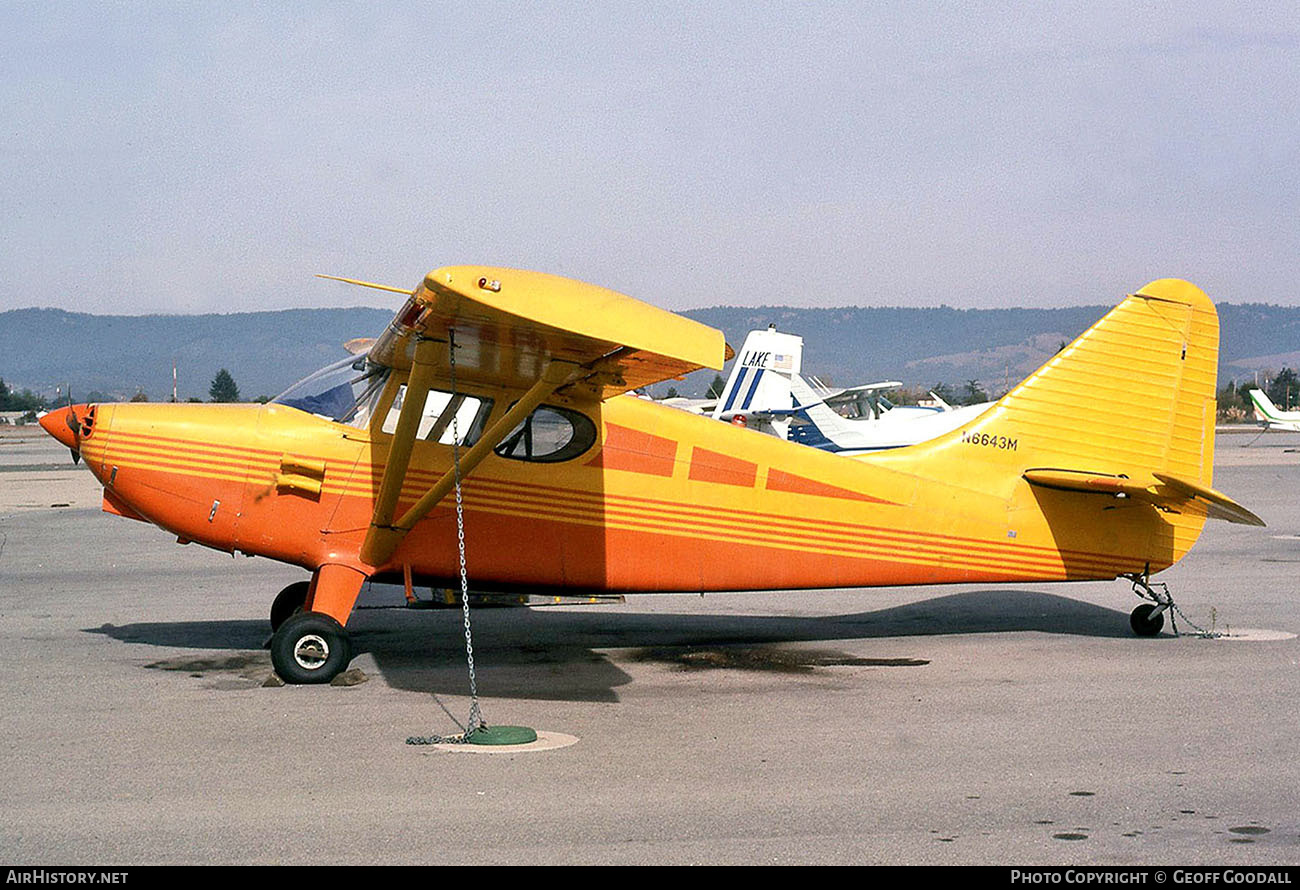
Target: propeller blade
{"type": "Point", "coordinates": [70, 418]}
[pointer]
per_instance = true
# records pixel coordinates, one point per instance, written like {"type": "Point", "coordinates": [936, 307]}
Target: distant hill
{"type": "Point", "coordinates": [117, 354]}
{"type": "Point", "coordinates": [994, 346]}
{"type": "Point", "coordinates": [268, 351]}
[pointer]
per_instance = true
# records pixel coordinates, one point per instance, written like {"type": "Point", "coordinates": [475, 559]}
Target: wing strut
{"type": "Point", "coordinates": [385, 535]}
{"type": "Point", "coordinates": [408, 424]}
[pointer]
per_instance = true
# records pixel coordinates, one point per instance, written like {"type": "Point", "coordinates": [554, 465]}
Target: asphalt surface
{"type": "Point", "coordinates": [1013, 724]}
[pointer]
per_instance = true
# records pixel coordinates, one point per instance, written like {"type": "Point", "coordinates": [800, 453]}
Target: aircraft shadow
{"type": "Point", "coordinates": [558, 654]}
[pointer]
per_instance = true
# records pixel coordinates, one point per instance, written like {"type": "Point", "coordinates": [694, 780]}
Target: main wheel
{"type": "Point", "coordinates": [1142, 622]}
{"type": "Point", "coordinates": [310, 648]}
{"type": "Point", "coordinates": [288, 602]}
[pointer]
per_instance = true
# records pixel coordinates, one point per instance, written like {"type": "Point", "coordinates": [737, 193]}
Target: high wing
{"type": "Point", "coordinates": [533, 333]}
{"type": "Point", "coordinates": [864, 400]}
{"type": "Point", "coordinates": [853, 393]}
{"type": "Point", "coordinates": [509, 324]}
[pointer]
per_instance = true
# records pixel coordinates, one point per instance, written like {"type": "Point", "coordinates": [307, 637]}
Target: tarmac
{"type": "Point", "coordinates": [1008, 724]}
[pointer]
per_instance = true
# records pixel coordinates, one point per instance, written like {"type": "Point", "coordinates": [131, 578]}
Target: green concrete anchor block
{"type": "Point", "coordinates": [502, 735]}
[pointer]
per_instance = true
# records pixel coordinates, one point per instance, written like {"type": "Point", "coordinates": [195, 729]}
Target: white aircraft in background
{"type": "Point", "coordinates": [1273, 417]}
{"type": "Point", "coordinates": [766, 392]}
{"type": "Point", "coordinates": [896, 426]}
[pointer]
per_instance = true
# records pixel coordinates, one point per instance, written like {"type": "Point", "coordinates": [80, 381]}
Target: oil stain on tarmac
{"type": "Point", "coordinates": [1246, 834]}
{"type": "Point", "coordinates": [245, 670]}
{"type": "Point", "coordinates": [762, 658]}
{"type": "Point", "coordinates": [1253, 830]}
{"type": "Point", "coordinates": [203, 665]}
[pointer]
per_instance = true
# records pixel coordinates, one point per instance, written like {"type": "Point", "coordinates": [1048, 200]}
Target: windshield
{"type": "Point", "coordinates": [344, 392]}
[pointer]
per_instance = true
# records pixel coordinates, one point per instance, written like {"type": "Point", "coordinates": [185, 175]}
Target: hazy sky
{"type": "Point", "coordinates": [208, 157]}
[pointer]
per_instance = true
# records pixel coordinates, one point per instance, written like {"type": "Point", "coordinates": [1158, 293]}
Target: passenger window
{"type": "Point", "coordinates": [550, 434]}
{"type": "Point", "coordinates": [440, 408]}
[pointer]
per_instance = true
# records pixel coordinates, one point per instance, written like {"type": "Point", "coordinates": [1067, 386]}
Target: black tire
{"type": "Point", "coordinates": [310, 648]}
{"type": "Point", "coordinates": [1143, 624]}
{"type": "Point", "coordinates": [288, 602]}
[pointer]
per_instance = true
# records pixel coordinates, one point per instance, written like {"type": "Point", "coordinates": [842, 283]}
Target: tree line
{"type": "Point", "coordinates": [1233, 402]}
{"type": "Point", "coordinates": [222, 389]}
{"type": "Point", "coordinates": [20, 401]}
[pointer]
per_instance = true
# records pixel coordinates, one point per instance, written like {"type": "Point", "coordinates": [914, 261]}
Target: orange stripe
{"type": "Point", "coordinates": [710, 466]}
{"type": "Point", "coordinates": [194, 445]}
{"type": "Point", "coordinates": [967, 561]}
{"type": "Point", "coordinates": [628, 449]}
{"type": "Point", "coordinates": [1023, 564]}
{"type": "Point", "coordinates": [797, 528]}
{"type": "Point", "coordinates": [795, 525]}
{"type": "Point", "coordinates": [542, 509]}
{"type": "Point", "coordinates": [780, 480]}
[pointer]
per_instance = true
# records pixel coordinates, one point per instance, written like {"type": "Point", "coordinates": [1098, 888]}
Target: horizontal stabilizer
{"type": "Point", "coordinates": [1217, 504]}
{"type": "Point", "coordinates": [1161, 489]}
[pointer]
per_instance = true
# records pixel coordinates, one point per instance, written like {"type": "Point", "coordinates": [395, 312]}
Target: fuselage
{"type": "Point", "coordinates": [896, 428]}
{"type": "Point", "coordinates": [662, 500]}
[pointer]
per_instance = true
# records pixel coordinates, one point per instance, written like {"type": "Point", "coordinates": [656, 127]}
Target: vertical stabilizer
{"type": "Point", "coordinates": [1264, 408]}
{"type": "Point", "coordinates": [760, 378]}
{"type": "Point", "coordinates": [1135, 392]}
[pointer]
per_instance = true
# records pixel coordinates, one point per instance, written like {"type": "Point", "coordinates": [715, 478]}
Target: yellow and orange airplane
{"type": "Point", "coordinates": [1097, 466]}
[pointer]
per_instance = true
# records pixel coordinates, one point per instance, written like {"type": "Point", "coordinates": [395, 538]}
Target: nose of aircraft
{"type": "Point", "coordinates": [65, 424]}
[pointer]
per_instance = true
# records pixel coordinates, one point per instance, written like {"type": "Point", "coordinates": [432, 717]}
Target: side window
{"type": "Point", "coordinates": [440, 408]}
{"type": "Point", "coordinates": [548, 435]}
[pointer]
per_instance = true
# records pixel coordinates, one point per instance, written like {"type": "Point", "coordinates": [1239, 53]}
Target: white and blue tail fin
{"type": "Point", "coordinates": [759, 386]}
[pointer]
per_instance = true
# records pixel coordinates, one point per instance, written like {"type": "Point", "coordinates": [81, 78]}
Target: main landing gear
{"type": "Point", "coordinates": [310, 648]}
{"type": "Point", "coordinates": [308, 643]}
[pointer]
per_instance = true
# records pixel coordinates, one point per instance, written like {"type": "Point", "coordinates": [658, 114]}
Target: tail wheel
{"type": "Point", "coordinates": [288, 602]}
{"type": "Point", "coordinates": [310, 648]}
{"type": "Point", "coordinates": [1144, 624]}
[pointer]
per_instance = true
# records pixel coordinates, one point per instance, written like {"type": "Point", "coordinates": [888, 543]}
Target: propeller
{"type": "Point", "coordinates": [70, 418]}
{"type": "Point", "coordinates": [69, 427]}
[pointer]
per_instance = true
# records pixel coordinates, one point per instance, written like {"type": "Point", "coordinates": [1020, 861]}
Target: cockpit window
{"type": "Point", "coordinates": [549, 434]}
{"type": "Point", "coordinates": [344, 392]}
{"type": "Point", "coordinates": [469, 414]}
